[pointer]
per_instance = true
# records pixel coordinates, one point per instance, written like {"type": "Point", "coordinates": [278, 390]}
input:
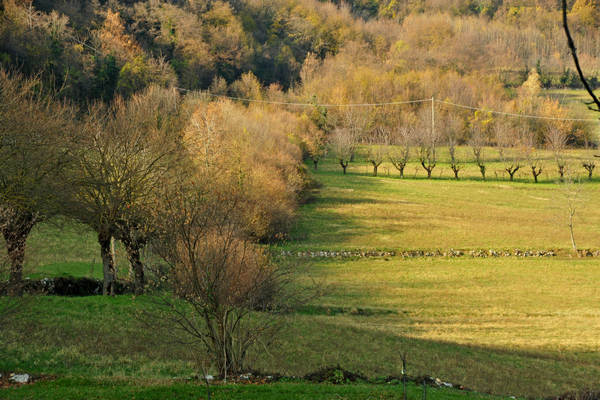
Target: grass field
{"type": "Point", "coordinates": [361, 211]}
{"type": "Point", "coordinates": [100, 339]}
{"type": "Point", "coordinates": [75, 389]}
{"type": "Point", "coordinates": [575, 99]}
{"type": "Point", "coordinates": [510, 326]}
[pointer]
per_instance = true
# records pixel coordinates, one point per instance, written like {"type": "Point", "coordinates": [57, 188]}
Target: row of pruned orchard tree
{"type": "Point", "coordinates": [517, 146]}
{"type": "Point", "coordinates": [399, 134]}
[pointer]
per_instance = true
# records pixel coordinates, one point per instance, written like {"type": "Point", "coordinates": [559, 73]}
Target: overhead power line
{"type": "Point", "coordinates": [286, 103]}
{"type": "Point", "coordinates": [392, 103]}
{"type": "Point", "coordinates": [515, 114]}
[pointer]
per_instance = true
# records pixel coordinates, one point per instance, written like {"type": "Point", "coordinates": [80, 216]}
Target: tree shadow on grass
{"type": "Point", "coordinates": [98, 337]}
{"type": "Point", "coordinates": [364, 348]}
{"type": "Point", "coordinates": [326, 225]}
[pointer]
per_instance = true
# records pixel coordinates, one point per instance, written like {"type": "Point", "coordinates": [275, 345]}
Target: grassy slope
{"type": "Point", "coordinates": [540, 313]}
{"type": "Point", "coordinates": [96, 341]}
{"type": "Point", "coordinates": [99, 339]}
{"type": "Point", "coordinates": [510, 326]}
{"type": "Point", "coordinates": [530, 305]}
{"type": "Point", "coordinates": [575, 99]}
{"type": "Point", "coordinates": [360, 211]}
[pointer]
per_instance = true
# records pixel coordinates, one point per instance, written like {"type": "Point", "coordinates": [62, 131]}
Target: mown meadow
{"type": "Point", "coordinates": [364, 212]}
{"type": "Point", "coordinates": [502, 325]}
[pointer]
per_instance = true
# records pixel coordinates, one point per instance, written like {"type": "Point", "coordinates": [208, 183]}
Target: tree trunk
{"type": "Point", "coordinates": [315, 163]}
{"type": "Point", "coordinates": [16, 254]}
{"type": "Point", "coordinates": [15, 233]}
{"type": "Point", "coordinates": [344, 165]}
{"type": "Point", "coordinates": [573, 244]}
{"type": "Point", "coordinates": [482, 170]}
{"type": "Point", "coordinates": [535, 172]}
{"type": "Point", "coordinates": [512, 171]}
{"type": "Point", "coordinates": [455, 170]}
{"type": "Point", "coordinates": [561, 172]}
{"type": "Point", "coordinates": [108, 264]}
{"type": "Point", "coordinates": [15, 244]}
{"type": "Point", "coordinates": [401, 169]}
{"type": "Point", "coordinates": [429, 168]}
{"type": "Point", "coordinates": [375, 166]}
{"type": "Point", "coordinates": [590, 169]}
{"type": "Point", "coordinates": [133, 254]}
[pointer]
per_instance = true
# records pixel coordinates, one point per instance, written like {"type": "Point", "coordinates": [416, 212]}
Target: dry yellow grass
{"type": "Point", "coordinates": [362, 211]}
{"type": "Point", "coordinates": [504, 303]}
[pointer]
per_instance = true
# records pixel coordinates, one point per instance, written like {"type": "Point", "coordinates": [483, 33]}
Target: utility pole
{"type": "Point", "coordinates": [432, 117]}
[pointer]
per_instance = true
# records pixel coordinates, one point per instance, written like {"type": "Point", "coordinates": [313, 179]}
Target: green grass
{"type": "Point", "coordinates": [575, 99]}
{"type": "Point", "coordinates": [506, 303]}
{"type": "Point", "coordinates": [386, 212]}
{"type": "Point", "coordinates": [507, 326]}
{"type": "Point", "coordinates": [459, 333]}
{"type": "Point", "coordinates": [65, 389]}
{"type": "Point", "coordinates": [75, 268]}
{"type": "Point", "coordinates": [64, 248]}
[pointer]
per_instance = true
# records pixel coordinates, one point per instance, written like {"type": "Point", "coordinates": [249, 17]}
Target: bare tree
{"type": "Point", "coordinates": [218, 278]}
{"type": "Point", "coordinates": [399, 152]}
{"type": "Point", "coordinates": [570, 190]}
{"type": "Point", "coordinates": [34, 136]}
{"type": "Point", "coordinates": [479, 139]}
{"type": "Point", "coordinates": [511, 157]}
{"type": "Point", "coordinates": [556, 137]}
{"type": "Point", "coordinates": [343, 144]}
{"type": "Point", "coordinates": [427, 157]}
{"type": "Point", "coordinates": [531, 152]}
{"type": "Point", "coordinates": [377, 147]}
{"type": "Point", "coordinates": [535, 165]}
{"type": "Point", "coordinates": [478, 143]}
{"type": "Point", "coordinates": [152, 118]}
{"type": "Point", "coordinates": [427, 139]}
{"type": "Point", "coordinates": [501, 132]}
{"type": "Point", "coordinates": [454, 125]}
{"type": "Point", "coordinates": [589, 166]}
{"type": "Point", "coordinates": [508, 147]}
